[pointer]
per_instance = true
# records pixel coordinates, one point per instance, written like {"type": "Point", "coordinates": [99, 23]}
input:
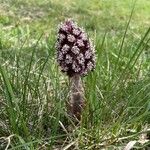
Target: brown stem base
{"type": "Point", "coordinates": [76, 98]}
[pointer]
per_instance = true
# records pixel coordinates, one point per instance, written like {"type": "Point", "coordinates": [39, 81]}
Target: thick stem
{"type": "Point", "coordinates": [76, 97]}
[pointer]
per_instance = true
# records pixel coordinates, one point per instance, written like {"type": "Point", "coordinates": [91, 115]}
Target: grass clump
{"type": "Point", "coordinates": [33, 91]}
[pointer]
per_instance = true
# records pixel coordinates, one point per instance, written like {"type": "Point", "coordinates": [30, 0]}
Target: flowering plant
{"type": "Point", "coordinates": [76, 57]}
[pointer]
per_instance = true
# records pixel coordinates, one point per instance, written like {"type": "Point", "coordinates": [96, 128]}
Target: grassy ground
{"type": "Point", "coordinates": [33, 90]}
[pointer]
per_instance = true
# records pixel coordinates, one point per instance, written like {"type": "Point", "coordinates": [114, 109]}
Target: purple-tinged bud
{"type": "Point", "coordinates": [76, 31]}
{"type": "Point", "coordinates": [68, 59]}
{"type": "Point", "coordinates": [75, 50]}
{"type": "Point", "coordinates": [71, 38]}
{"type": "Point", "coordinates": [65, 48]}
{"type": "Point", "coordinates": [88, 54]}
{"type": "Point", "coordinates": [62, 37]}
{"type": "Point", "coordinates": [80, 59]}
{"type": "Point", "coordinates": [80, 43]}
{"type": "Point", "coordinates": [75, 53]}
{"type": "Point", "coordinates": [83, 36]}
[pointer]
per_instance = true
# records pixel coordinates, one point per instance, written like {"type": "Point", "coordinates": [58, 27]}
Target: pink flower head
{"type": "Point", "coordinates": [75, 53]}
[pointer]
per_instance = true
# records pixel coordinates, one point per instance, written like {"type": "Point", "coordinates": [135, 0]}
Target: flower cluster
{"type": "Point", "coordinates": [75, 53]}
